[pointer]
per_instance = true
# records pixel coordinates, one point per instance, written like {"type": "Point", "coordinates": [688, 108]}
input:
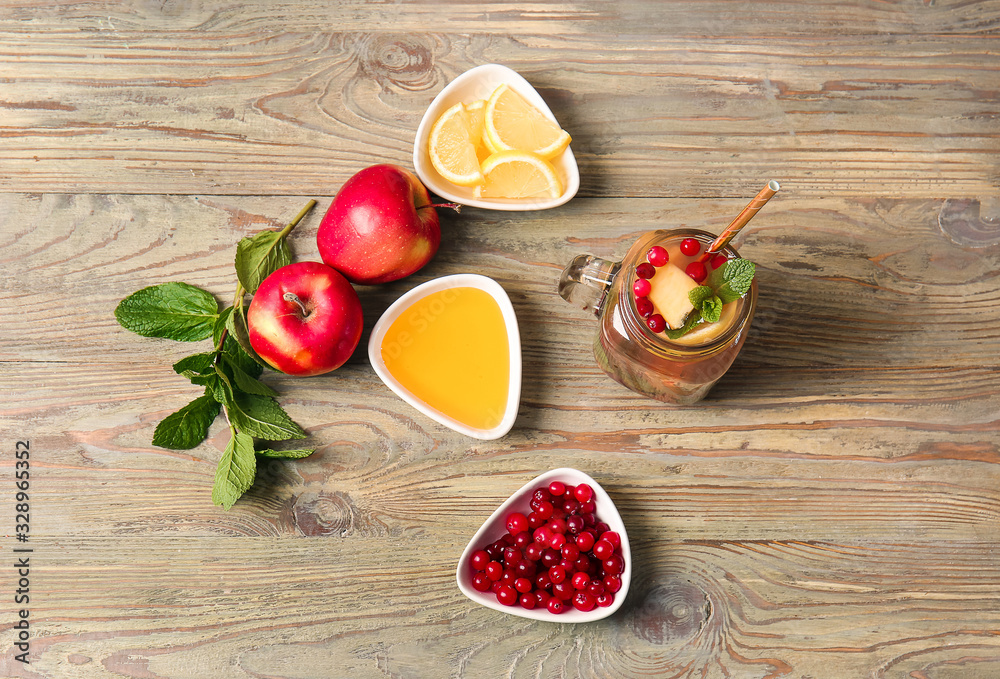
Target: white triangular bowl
{"type": "Point", "coordinates": [479, 83]}
{"type": "Point", "coordinates": [464, 280]}
{"type": "Point", "coordinates": [494, 527]}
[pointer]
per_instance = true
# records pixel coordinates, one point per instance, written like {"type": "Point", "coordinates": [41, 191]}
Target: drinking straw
{"type": "Point", "coordinates": [741, 219]}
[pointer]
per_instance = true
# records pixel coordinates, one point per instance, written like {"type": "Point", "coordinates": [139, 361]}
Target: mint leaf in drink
{"type": "Point", "coordinates": [259, 256]}
{"type": "Point", "coordinates": [732, 280]}
{"type": "Point", "coordinates": [187, 427]}
{"type": "Point", "coordinates": [235, 472]}
{"type": "Point", "coordinates": [263, 418]}
{"type": "Point", "coordinates": [176, 311]}
{"type": "Point", "coordinates": [296, 454]}
{"type": "Point", "coordinates": [711, 309]}
{"type": "Point", "coordinates": [693, 319]}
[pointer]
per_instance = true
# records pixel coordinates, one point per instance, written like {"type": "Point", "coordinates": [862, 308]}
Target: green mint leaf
{"type": "Point", "coordinates": [232, 350]}
{"type": "Point", "coordinates": [263, 418]}
{"type": "Point", "coordinates": [698, 295]}
{"type": "Point", "coordinates": [176, 311]}
{"type": "Point", "coordinates": [220, 325]}
{"type": "Point", "coordinates": [188, 426]}
{"type": "Point", "coordinates": [297, 454]}
{"type": "Point", "coordinates": [235, 472]}
{"type": "Point", "coordinates": [259, 256]}
{"type": "Point", "coordinates": [711, 309]}
{"type": "Point", "coordinates": [737, 277]}
{"type": "Point", "coordinates": [237, 327]}
{"type": "Point", "coordinates": [195, 364]}
{"type": "Point", "coordinates": [693, 319]}
{"type": "Point", "coordinates": [242, 380]}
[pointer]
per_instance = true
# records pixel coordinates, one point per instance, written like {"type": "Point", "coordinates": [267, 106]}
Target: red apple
{"type": "Point", "coordinates": [305, 319]}
{"type": "Point", "coordinates": [381, 226]}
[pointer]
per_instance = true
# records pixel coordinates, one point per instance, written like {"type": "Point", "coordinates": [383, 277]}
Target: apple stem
{"type": "Point", "coordinates": [454, 206]}
{"type": "Point", "coordinates": [292, 297]}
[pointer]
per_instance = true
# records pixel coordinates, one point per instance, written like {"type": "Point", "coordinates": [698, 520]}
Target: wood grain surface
{"type": "Point", "coordinates": [831, 510]}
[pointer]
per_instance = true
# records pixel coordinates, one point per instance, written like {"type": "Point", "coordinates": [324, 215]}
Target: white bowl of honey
{"type": "Point", "coordinates": [451, 349]}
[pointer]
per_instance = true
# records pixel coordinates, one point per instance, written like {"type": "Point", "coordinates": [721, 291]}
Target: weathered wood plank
{"type": "Point", "coordinates": [203, 112]}
{"type": "Point", "coordinates": [696, 18]}
{"type": "Point", "coordinates": [845, 284]}
{"type": "Point", "coordinates": [699, 608]}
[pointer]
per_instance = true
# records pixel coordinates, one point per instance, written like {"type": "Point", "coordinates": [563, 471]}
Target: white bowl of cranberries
{"type": "Point", "coordinates": [556, 550]}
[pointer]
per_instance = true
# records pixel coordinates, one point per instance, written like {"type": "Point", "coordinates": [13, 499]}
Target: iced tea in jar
{"type": "Point", "coordinates": [672, 315]}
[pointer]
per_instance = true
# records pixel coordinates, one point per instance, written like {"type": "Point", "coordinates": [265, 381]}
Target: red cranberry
{"type": "Point", "coordinates": [657, 255]}
{"type": "Point", "coordinates": [516, 523]}
{"type": "Point", "coordinates": [614, 565]}
{"type": "Point", "coordinates": [512, 555]}
{"type": "Point", "coordinates": [494, 571]}
{"type": "Point", "coordinates": [536, 521]}
{"type": "Point", "coordinates": [542, 535]}
{"type": "Point", "coordinates": [557, 525]}
{"type": "Point", "coordinates": [601, 527]}
{"type": "Point", "coordinates": [583, 602]}
{"type": "Point", "coordinates": [595, 588]}
{"type": "Point", "coordinates": [534, 551]}
{"type": "Point", "coordinates": [528, 601]}
{"type": "Point", "coordinates": [523, 585]}
{"type": "Point", "coordinates": [557, 574]}
{"type": "Point", "coordinates": [612, 583]}
{"type": "Point", "coordinates": [542, 495]}
{"type": "Point", "coordinates": [507, 595]}
{"type": "Point", "coordinates": [718, 260]}
{"type": "Point", "coordinates": [563, 590]}
{"type": "Point", "coordinates": [697, 271]}
{"type": "Point", "coordinates": [542, 596]}
{"type": "Point", "coordinates": [557, 488]}
{"type": "Point", "coordinates": [612, 537]}
{"type": "Point", "coordinates": [585, 541]}
{"type": "Point", "coordinates": [603, 549]}
{"type": "Point", "coordinates": [522, 539]}
{"type": "Point", "coordinates": [550, 558]}
{"type": "Point", "coordinates": [690, 247]}
{"type": "Point", "coordinates": [641, 287]}
{"type": "Point", "coordinates": [545, 510]}
{"type": "Point", "coordinates": [580, 580]}
{"type": "Point", "coordinates": [587, 507]}
{"type": "Point", "coordinates": [643, 306]}
{"type": "Point", "coordinates": [557, 541]}
{"type": "Point", "coordinates": [575, 524]}
{"type": "Point", "coordinates": [525, 568]}
{"type": "Point", "coordinates": [584, 493]}
{"type": "Point", "coordinates": [569, 551]}
{"type": "Point", "coordinates": [570, 506]}
{"type": "Point", "coordinates": [481, 583]}
{"type": "Point", "coordinates": [656, 323]}
{"type": "Point", "coordinates": [508, 577]}
{"type": "Point", "coordinates": [555, 606]}
{"type": "Point", "coordinates": [645, 270]}
{"type": "Point", "coordinates": [542, 581]}
{"type": "Point", "coordinates": [605, 600]}
{"type": "Point", "coordinates": [480, 559]}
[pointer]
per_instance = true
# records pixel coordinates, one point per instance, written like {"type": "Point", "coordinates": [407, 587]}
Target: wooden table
{"type": "Point", "coordinates": [831, 510]}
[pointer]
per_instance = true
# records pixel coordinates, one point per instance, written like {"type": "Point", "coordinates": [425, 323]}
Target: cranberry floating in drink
{"type": "Point", "coordinates": [674, 312]}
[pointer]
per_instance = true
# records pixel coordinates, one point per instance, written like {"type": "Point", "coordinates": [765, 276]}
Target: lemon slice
{"type": "Point", "coordinates": [518, 174]}
{"type": "Point", "coordinates": [511, 122]}
{"type": "Point", "coordinates": [452, 149]}
{"type": "Point", "coordinates": [477, 115]}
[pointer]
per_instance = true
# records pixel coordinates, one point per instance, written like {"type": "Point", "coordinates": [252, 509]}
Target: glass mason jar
{"type": "Point", "coordinates": [675, 371]}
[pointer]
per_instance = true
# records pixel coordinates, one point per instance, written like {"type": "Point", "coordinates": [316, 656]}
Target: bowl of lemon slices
{"type": "Point", "coordinates": [489, 140]}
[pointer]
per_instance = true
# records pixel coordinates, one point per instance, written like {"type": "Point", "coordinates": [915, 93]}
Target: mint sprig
{"type": "Point", "coordinates": [728, 283]}
{"type": "Point", "coordinates": [229, 373]}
